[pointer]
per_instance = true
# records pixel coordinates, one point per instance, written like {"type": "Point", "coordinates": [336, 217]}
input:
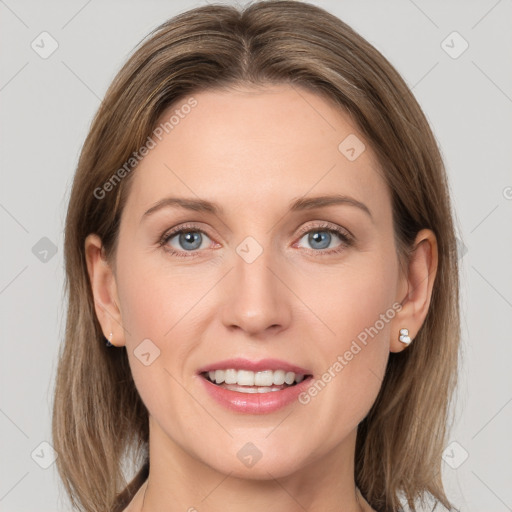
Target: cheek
{"type": "Point", "coordinates": [161, 308]}
{"type": "Point", "coordinates": [352, 298]}
{"type": "Point", "coordinates": [154, 296]}
{"type": "Point", "coordinates": [358, 305]}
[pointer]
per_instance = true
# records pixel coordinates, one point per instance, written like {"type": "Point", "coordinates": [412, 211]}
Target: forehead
{"type": "Point", "coordinates": [257, 148]}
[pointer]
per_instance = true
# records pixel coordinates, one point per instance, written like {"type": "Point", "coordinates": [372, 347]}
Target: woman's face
{"type": "Point", "coordinates": [259, 273]}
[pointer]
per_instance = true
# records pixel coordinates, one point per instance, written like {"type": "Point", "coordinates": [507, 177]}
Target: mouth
{"type": "Point", "coordinates": [247, 381]}
{"type": "Point", "coordinates": [254, 387]}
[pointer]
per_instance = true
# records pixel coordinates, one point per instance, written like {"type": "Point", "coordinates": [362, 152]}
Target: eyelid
{"type": "Point", "coordinates": [346, 237]}
{"type": "Point", "coordinates": [191, 226]}
{"type": "Point", "coordinates": [327, 226]}
{"type": "Point", "coordinates": [171, 233]}
{"type": "Point", "coordinates": [344, 234]}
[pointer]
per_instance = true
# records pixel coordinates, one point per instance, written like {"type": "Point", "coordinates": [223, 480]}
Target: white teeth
{"type": "Point", "coordinates": [245, 378]}
{"type": "Point", "coordinates": [290, 377]}
{"type": "Point", "coordinates": [230, 376]}
{"type": "Point", "coordinates": [279, 377]}
{"type": "Point", "coordinates": [266, 378]}
{"type": "Point", "coordinates": [253, 389]}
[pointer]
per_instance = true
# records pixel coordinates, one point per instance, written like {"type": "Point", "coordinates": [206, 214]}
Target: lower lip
{"type": "Point", "coordinates": [255, 403]}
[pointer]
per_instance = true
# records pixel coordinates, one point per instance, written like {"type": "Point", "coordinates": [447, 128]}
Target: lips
{"type": "Point", "coordinates": [254, 387]}
{"type": "Point", "coordinates": [255, 366]}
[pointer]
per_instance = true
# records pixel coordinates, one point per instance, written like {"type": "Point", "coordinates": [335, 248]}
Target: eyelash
{"type": "Point", "coordinates": [344, 235]}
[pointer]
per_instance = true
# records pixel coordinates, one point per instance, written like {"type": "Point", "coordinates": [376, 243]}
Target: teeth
{"type": "Point", "coordinates": [266, 378]}
{"type": "Point", "coordinates": [230, 376]}
{"type": "Point", "coordinates": [253, 389]}
{"type": "Point", "coordinates": [290, 377]}
{"type": "Point", "coordinates": [244, 378]}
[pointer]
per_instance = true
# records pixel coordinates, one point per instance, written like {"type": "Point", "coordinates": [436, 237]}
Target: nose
{"type": "Point", "coordinates": [256, 299]}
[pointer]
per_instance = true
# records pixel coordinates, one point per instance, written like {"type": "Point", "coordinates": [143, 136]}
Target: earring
{"type": "Point", "coordinates": [404, 336]}
{"type": "Point", "coordinates": [109, 344]}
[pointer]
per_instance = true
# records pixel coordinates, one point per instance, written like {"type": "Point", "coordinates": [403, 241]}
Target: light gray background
{"type": "Point", "coordinates": [46, 108]}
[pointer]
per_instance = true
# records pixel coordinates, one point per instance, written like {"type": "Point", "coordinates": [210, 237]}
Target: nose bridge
{"type": "Point", "coordinates": [257, 298]}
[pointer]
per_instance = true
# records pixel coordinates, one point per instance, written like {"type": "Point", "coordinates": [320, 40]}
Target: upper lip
{"type": "Point", "coordinates": [255, 366]}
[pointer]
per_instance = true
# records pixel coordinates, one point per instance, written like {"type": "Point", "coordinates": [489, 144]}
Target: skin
{"type": "Point", "coordinates": [253, 151]}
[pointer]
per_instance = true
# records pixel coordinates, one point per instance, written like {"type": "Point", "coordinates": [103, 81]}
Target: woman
{"type": "Point", "coordinates": [262, 277]}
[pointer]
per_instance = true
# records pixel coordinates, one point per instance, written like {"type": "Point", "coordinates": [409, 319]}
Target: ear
{"type": "Point", "coordinates": [104, 290]}
{"type": "Point", "coordinates": [415, 288]}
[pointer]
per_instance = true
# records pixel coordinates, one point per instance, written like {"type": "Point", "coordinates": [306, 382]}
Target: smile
{"type": "Point", "coordinates": [252, 387]}
{"type": "Point", "coordinates": [246, 381]}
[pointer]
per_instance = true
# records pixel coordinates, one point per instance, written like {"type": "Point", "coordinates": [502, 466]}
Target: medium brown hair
{"type": "Point", "coordinates": [99, 420]}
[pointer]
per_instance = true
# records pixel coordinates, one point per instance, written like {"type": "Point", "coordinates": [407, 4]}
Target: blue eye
{"type": "Point", "coordinates": [191, 239]}
{"type": "Point", "coordinates": [314, 238]}
{"type": "Point", "coordinates": [320, 237]}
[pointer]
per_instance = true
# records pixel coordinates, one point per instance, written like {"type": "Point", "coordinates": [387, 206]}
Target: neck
{"type": "Point", "coordinates": [178, 481]}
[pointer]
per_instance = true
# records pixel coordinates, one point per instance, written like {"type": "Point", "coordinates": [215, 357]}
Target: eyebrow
{"type": "Point", "coordinates": [301, 204]}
